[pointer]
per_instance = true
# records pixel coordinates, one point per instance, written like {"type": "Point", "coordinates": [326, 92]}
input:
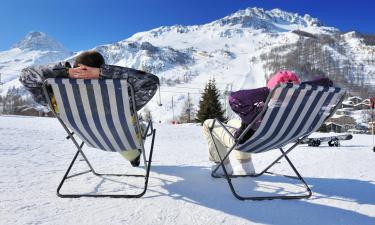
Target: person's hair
{"type": "Point", "coordinates": [89, 58]}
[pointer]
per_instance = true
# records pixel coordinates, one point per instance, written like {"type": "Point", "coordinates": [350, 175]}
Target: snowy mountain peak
{"type": "Point", "coordinates": [36, 40]}
{"type": "Point", "coordinates": [34, 49]}
{"type": "Point", "coordinates": [352, 34]}
{"type": "Point", "coordinates": [260, 18]}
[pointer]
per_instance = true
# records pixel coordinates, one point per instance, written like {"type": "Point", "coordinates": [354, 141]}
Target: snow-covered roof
{"type": "Point", "coordinates": [345, 110]}
{"type": "Point", "coordinates": [336, 116]}
{"type": "Point", "coordinates": [354, 97]}
{"type": "Point", "coordinates": [363, 124]}
{"type": "Point", "coordinates": [353, 130]}
{"type": "Point", "coordinates": [347, 102]}
{"type": "Point", "coordinates": [366, 100]}
{"type": "Point", "coordinates": [332, 123]}
{"type": "Point", "coordinates": [362, 103]}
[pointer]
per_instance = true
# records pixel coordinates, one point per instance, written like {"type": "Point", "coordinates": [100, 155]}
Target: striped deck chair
{"type": "Point", "coordinates": [291, 114]}
{"type": "Point", "coordinates": [99, 113]}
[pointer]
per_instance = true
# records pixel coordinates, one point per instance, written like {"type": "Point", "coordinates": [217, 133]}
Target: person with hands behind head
{"type": "Point", "coordinates": [87, 65]}
{"type": "Point", "coordinates": [91, 65]}
{"type": "Point", "coordinates": [84, 72]}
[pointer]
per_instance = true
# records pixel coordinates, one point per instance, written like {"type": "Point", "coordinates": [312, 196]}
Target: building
{"type": "Point", "coordinates": [355, 99]}
{"type": "Point", "coordinates": [361, 106]}
{"type": "Point", "coordinates": [347, 105]}
{"type": "Point", "coordinates": [344, 111]}
{"type": "Point", "coordinates": [343, 120]}
{"type": "Point", "coordinates": [367, 101]}
{"type": "Point", "coordinates": [333, 127]}
{"type": "Point", "coordinates": [340, 123]}
{"type": "Point", "coordinates": [362, 127]}
{"type": "Point", "coordinates": [355, 131]}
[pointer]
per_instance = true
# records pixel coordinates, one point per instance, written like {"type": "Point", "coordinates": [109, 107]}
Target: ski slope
{"type": "Point", "coordinates": [34, 156]}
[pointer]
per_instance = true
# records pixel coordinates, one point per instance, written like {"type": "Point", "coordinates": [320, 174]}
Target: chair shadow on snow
{"type": "Point", "coordinates": [196, 186]}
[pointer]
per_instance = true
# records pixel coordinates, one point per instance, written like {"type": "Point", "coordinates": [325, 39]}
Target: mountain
{"type": "Point", "coordinates": [35, 48]}
{"type": "Point", "coordinates": [241, 51]}
{"type": "Point", "coordinates": [39, 41]}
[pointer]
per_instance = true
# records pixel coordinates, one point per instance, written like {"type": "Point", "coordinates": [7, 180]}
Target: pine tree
{"type": "Point", "coordinates": [14, 100]}
{"type": "Point", "coordinates": [209, 105]}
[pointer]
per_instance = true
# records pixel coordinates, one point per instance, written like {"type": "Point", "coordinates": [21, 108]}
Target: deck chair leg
{"type": "Point", "coordinates": [284, 155]}
{"type": "Point", "coordinates": [79, 151]}
{"type": "Point", "coordinates": [298, 175]}
{"type": "Point", "coordinates": [221, 164]}
{"type": "Point", "coordinates": [66, 177]}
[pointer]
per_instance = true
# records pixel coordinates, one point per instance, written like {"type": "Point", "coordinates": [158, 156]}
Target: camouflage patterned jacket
{"type": "Point", "coordinates": [144, 84]}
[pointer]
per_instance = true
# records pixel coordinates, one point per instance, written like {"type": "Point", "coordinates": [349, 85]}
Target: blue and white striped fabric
{"type": "Point", "coordinates": [294, 111]}
{"type": "Point", "coordinates": [97, 111]}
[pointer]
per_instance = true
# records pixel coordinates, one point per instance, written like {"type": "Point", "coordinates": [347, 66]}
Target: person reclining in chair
{"type": "Point", "coordinates": [91, 65]}
{"type": "Point", "coordinates": [247, 104]}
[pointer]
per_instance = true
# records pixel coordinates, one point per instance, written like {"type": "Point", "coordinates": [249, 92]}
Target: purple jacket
{"type": "Point", "coordinates": [247, 104]}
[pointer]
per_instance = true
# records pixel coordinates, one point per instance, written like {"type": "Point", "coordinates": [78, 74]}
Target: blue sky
{"type": "Point", "coordinates": [84, 24]}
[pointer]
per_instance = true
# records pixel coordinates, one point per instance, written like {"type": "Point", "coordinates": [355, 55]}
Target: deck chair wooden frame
{"type": "Point", "coordinates": [122, 87]}
{"type": "Point", "coordinates": [285, 106]}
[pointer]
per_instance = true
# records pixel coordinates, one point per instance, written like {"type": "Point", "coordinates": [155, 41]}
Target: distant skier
{"type": "Point", "coordinates": [91, 65]}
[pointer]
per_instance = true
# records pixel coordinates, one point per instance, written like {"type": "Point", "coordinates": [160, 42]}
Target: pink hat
{"type": "Point", "coordinates": [283, 76]}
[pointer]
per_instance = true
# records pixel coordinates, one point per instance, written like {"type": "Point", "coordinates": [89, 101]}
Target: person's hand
{"type": "Point", "coordinates": [84, 72]}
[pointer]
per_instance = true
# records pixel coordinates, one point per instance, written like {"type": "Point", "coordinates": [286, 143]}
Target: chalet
{"type": "Point", "coordinates": [362, 126]}
{"type": "Point", "coordinates": [344, 111]}
{"type": "Point", "coordinates": [366, 101]}
{"type": "Point", "coordinates": [361, 106]}
{"type": "Point", "coordinates": [26, 111]}
{"type": "Point", "coordinates": [355, 131]}
{"type": "Point", "coordinates": [349, 126]}
{"type": "Point", "coordinates": [343, 120]}
{"type": "Point", "coordinates": [347, 105]}
{"type": "Point", "coordinates": [333, 127]}
{"type": "Point", "coordinates": [355, 99]}
{"type": "Point", "coordinates": [30, 111]}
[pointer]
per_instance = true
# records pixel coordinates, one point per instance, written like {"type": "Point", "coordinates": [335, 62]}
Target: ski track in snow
{"type": "Point", "coordinates": [34, 156]}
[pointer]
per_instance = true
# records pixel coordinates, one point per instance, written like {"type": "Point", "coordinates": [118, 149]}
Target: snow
{"type": "Point", "coordinates": [35, 40]}
{"type": "Point", "coordinates": [35, 48]}
{"type": "Point", "coordinates": [34, 154]}
{"type": "Point", "coordinates": [227, 49]}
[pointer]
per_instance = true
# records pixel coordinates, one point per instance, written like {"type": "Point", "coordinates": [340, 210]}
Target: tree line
{"type": "Point", "coordinates": [318, 55]}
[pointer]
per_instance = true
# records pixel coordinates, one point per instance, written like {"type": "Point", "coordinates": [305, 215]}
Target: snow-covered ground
{"type": "Point", "coordinates": [34, 155]}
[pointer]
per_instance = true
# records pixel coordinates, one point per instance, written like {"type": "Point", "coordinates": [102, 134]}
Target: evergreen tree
{"type": "Point", "coordinates": [209, 105]}
{"type": "Point", "coordinates": [14, 100]}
